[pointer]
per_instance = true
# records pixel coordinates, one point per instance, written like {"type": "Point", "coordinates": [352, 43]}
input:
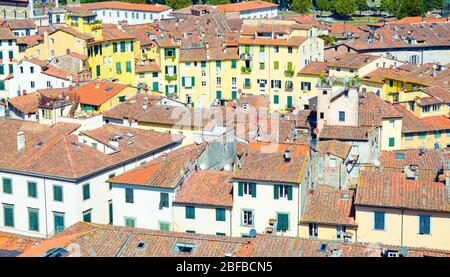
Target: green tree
{"type": "Point", "coordinates": [410, 8]}
{"type": "Point", "coordinates": [301, 6]}
{"type": "Point", "coordinates": [323, 5]}
{"type": "Point", "coordinates": [219, 2]}
{"type": "Point", "coordinates": [430, 5]}
{"type": "Point", "coordinates": [362, 6]}
{"type": "Point", "coordinates": [390, 6]}
{"type": "Point", "coordinates": [345, 8]}
{"type": "Point", "coordinates": [178, 4]}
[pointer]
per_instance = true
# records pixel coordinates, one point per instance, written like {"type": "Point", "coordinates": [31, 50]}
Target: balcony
{"type": "Point", "coordinates": [246, 56]}
{"type": "Point", "coordinates": [170, 78]}
{"type": "Point", "coordinates": [289, 72]}
{"type": "Point", "coordinates": [245, 69]}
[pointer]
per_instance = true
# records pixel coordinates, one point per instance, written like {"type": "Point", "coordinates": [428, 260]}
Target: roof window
{"type": "Point", "coordinates": [186, 248]}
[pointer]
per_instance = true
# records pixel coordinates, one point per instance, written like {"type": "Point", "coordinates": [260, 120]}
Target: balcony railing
{"type": "Point", "coordinates": [289, 72]}
{"type": "Point", "coordinates": [245, 69]}
{"type": "Point", "coordinates": [170, 78]}
{"type": "Point", "coordinates": [246, 56]}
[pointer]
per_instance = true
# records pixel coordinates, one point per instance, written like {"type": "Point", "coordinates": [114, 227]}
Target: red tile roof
{"type": "Point", "coordinates": [329, 206]}
{"type": "Point", "coordinates": [96, 92]}
{"type": "Point", "coordinates": [245, 6]}
{"type": "Point", "coordinates": [292, 41]}
{"type": "Point", "coordinates": [334, 147]}
{"type": "Point", "coordinates": [352, 60]}
{"type": "Point", "coordinates": [13, 244]}
{"type": "Point", "coordinates": [116, 5]}
{"type": "Point", "coordinates": [345, 132]}
{"type": "Point", "coordinates": [97, 240]}
{"type": "Point", "coordinates": [207, 187]}
{"type": "Point", "coordinates": [27, 104]}
{"type": "Point", "coordinates": [262, 157]}
{"type": "Point", "coordinates": [380, 188]}
{"type": "Point", "coordinates": [315, 68]}
{"type": "Point", "coordinates": [163, 171]}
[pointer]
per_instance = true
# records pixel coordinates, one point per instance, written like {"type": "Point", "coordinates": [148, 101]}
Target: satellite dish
{"type": "Point", "coordinates": [252, 233]}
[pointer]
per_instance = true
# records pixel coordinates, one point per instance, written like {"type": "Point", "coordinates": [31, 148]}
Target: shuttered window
{"type": "Point", "coordinates": [282, 222]}
{"type": "Point", "coordinates": [190, 212]}
{"type": "Point", "coordinates": [58, 193]}
{"type": "Point", "coordinates": [33, 220]}
{"type": "Point", "coordinates": [220, 214]}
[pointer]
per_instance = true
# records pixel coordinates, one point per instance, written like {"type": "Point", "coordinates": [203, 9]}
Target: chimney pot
{"type": "Point", "coordinates": [20, 140]}
{"type": "Point", "coordinates": [287, 155]}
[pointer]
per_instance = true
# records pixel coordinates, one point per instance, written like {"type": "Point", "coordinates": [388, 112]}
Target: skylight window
{"type": "Point", "coordinates": [186, 248]}
{"type": "Point", "coordinates": [130, 135]}
{"type": "Point", "coordinates": [141, 245]}
{"type": "Point", "coordinates": [399, 156]}
{"type": "Point", "coordinates": [323, 247]}
{"type": "Point", "coordinates": [118, 137]}
{"type": "Point", "coordinates": [130, 142]}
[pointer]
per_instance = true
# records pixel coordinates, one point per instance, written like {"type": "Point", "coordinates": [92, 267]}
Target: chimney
{"type": "Point", "coordinates": [145, 104]}
{"type": "Point", "coordinates": [421, 151]}
{"type": "Point", "coordinates": [20, 140]}
{"type": "Point", "coordinates": [287, 155]}
{"type": "Point", "coordinates": [114, 143]}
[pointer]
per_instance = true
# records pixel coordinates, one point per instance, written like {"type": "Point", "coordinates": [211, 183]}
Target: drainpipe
{"type": "Point", "coordinates": [401, 230]}
{"type": "Point", "coordinates": [45, 209]}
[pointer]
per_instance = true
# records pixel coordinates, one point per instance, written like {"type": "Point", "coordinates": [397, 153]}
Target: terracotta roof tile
{"type": "Point", "coordinates": [329, 206]}
{"type": "Point", "coordinates": [207, 187]}
{"type": "Point", "coordinates": [12, 244]}
{"type": "Point", "coordinates": [334, 147]}
{"type": "Point", "coordinates": [96, 240]}
{"type": "Point", "coordinates": [245, 6]}
{"type": "Point", "coordinates": [345, 132]}
{"type": "Point", "coordinates": [116, 5]}
{"type": "Point", "coordinates": [315, 68]}
{"type": "Point", "coordinates": [96, 92]}
{"type": "Point", "coordinates": [163, 171]}
{"type": "Point", "coordinates": [258, 163]}
{"type": "Point", "coordinates": [391, 189]}
{"type": "Point", "coordinates": [26, 103]}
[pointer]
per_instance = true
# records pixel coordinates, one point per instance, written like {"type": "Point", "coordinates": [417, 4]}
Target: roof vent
{"type": "Point", "coordinates": [141, 245]}
{"type": "Point", "coordinates": [287, 155]}
{"type": "Point", "coordinates": [108, 88]}
{"type": "Point", "coordinates": [20, 140]}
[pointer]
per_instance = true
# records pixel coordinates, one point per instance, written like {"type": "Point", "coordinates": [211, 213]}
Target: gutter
{"type": "Point", "coordinates": [98, 172]}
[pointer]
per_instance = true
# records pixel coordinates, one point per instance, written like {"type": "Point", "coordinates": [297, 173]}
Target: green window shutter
{"type": "Point", "coordinates": [275, 64]}
{"type": "Point", "coordinates": [32, 189]}
{"type": "Point", "coordinates": [190, 212]}
{"type": "Point", "coordinates": [233, 95]}
{"type": "Point", "coordinates": [203, 64]}
{"type": "Point", "coordinates": [175, 70]}
{"type": "Point", "coordinates": [11, 68]}
{"type": "Point", "coordinates": [122, 46]}
{"type": "Point", "coordinates": [282, 222]}
{"type": "Point", "coordinates": [289, 101]}
{"type": "Point", "coordinates": [167, 89]}
{"type": "Point", "coordinates": [253, 190]}
{"type": "Point", "coordinates": [110, 212]}
{"type": "Point", "coordinates": [114, 47]}
{"type": "Point", "coordinates": [132, 47]}
{"type": "Point", "coordinates": [175, 88]}
{"type": "Point", "coordinates": [129, 195]}
{"type": "Point", "coordinates": [289, 66]}
{"type": "Point", "coordinates": [33, 220]}
{"type": "Point", "coordinates": [220, 214]}
{"type": "Point", "coordinates": [128, 66]}
{"type": "Point", "coordinates": [11, 54]}
{"type": "Point", "coordinates": [391, 142]}
{"type": "Point", "coordinates": [7, 186]}
{"type": "Point", "coordinates": [87, 216]}
{"type": "Point", "coordinates": [57, 193]}
{"type": "Point", "coordinates": [2, 85]}
{"type": "Point", "coordinates": [183, 82]}
{"type": "Point", "coordinates": [233, 64]}
{"type": "Point", "coordinates": [1, 55]}
{"type": "Point", "coordinates": [218, 94]}
{"type": "Point", "coordinates": [276, 99]}
{"type": "Point", "coordinates": [193, 81]}
{"type": "Point", "coordinates": [276, 192]}
{"type": "Point", "coordinates": [240, 189]}
{"type": "Point", "coordinates": [2, 69]}
{"type": "Point", "coordinates": [155, 86]}
{"type": "Point", "coordinates": [167, 70]}
{"type": "Point", "coordinates": [118, 67]}
{"type": "Point", "coordinates": [8, 215]}
{"type": "Point", "coordinates": [86, 192]}
{"type": "Point", "coordinates": [97, 70]}
{"type": "Point", "coordinates": [289, 192]}
{"type": "Point", "coordinates": [247, 49]}
{"type": "Point", "coordinates": [59, 222]}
